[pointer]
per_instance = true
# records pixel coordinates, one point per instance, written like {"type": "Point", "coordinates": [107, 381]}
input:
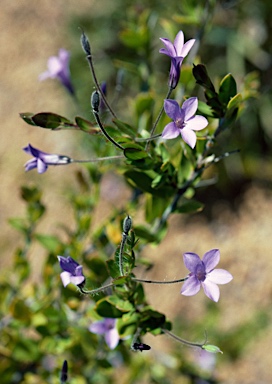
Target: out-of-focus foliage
{"type": "Point", "coordinates": [43, 324]}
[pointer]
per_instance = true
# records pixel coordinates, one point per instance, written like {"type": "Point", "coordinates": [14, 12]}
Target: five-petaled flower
{"type": "Point", "coordinates": [107, 328]}
{"type": "Point", "coordinates": [185, 122]}
{"type": "Point", "coordinates": [58, 68]}
{"type": "Point", "coordinates": [72, 271]}
{"type": "Point", "coordinates": [42, 159]}
{"type": "Point", "coordinates": [177, 51]}
{"type": "Point", "coordinates": [202, 273]}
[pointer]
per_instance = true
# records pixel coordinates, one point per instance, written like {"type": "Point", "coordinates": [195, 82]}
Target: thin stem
{"type": "Point", "coordinates": [158, 118]}
{"type": "Point", "coordinates": [90, 62]}
{"type": "Point", "coordinates": [96, 115]}
{"type": "Point", "coordinates": [158, 282]}
{"type": "Point", "coordinates": [94, 291]}
{"type": "Point", "coordinates": [140, 139]}
{"type": "Point", "coordinates": [98, 159]}
{"type": "Point", "coordinates": [182, 340]}
{"type": "Point", "coordinates": [122, 246]}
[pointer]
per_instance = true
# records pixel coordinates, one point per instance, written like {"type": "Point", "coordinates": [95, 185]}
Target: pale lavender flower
{"type": "Point", "coordinates": [177, 51]}
{"type": "Point", "coordinates": [202, 273]}
{"type": "Point", "coordinates": [72, 271]}
{"type": "Point", "coordinates": [58, 68]}
{"type": "Point", "coordinates": [107, 328]}
{"type": "Point", "coordinates": [185, 122]}
{"type": "Point", "coordinates": [42, 159]}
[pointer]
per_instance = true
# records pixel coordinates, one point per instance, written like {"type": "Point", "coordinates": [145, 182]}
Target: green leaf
{"type": "Point", "coordinates": [205, 109]}
{"type": "Point", "coordinates": [51, 120]}
{"type": "Point", "coordinates": [144, 102]}
{"type": "Point", "coordinates": [133, 153]}
{"type": "Point", "coordinates": [106, 309]}
{"type": "Point", "coordinates": [86, 125]}
{"type": "Point", "coordinates": [191, 206]}
{"type": "Point", "coordinates": [122, 305]}
{"type": "Point", "coordinates": [144, 233]}
{"type": "Point", "coordinates": [113, 268]}
{"type": "Point", "coordinates": [227, 89]}
{"type": "Point", "coordinates": [19, 224]}
{"type": "Point", "coordinates": [235, 101]}
{"type": "Point", "coordinates": [49, 242]}
{"type": "Point", "coordinates": [27, 117]}
{"type": "Point", "coordinates": [124, 127]}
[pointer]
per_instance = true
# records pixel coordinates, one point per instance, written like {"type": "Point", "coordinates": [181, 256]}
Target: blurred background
{"type": "Point", "coordinates": [236, 38]}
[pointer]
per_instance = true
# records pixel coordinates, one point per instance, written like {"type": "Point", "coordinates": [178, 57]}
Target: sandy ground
{"type": "Point", "coordinates": [30, 33]}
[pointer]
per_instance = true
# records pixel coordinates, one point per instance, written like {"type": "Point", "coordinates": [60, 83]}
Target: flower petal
{"type": "Point", "coordinates": [197, 123]}
{"type": "Point", "coordinates": [169, 47]}
{"type": "Point", "coordinates": [172, 109]}
{"type": "Point", "coordinates": [191, 260]}
{"type": "Point", "coordinates": [190, 287]}
{"type": "Point", "coordinates": [211, 259]}
{"type": "Point", "coordinates": [65, 278]}
{"type": "Point", "coordinates": [77, 280]}
{"type": "Point", "coordinates": [211, 290]}
{"type": "Point", "coordinates": [188, 136]}
{"type": "Point", "coordinates": [170, 131]}
{"type": "Point", "coordinates": [112, 338]}
{"type": "Point", "coordinates": [187, 47]}
{"type": "Point", "coordinates": [179, 43]}
{"type": "Point", "coordinates": [30, 164]}
{"type": "Point", "coordinates": [41, 166]}
{"type": "Point", "coordinates": [219, 276]}
{"type": "Point", "coordinates": [190, 107]}
{"type": "Point", "coordinates": [99, 327]}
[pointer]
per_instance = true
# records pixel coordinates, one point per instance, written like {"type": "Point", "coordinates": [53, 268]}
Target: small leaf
{"type": "Point", "coordinates": [235, 101]}
{"type": "Point", "coordinates": [86, 125]}
{"type": "Point", "coordinates": [27, 117]}
{"type": "Point", "coordinates": [135, 154]}
{"type": "Point", "coordinates": [227, 89]}
{"type": "Point", "coordinates": [124, 127]}
{"type": "Point", "coordinates": [51, 120]}
{"type": "Point", "coordinates": [191, 206]}
{"type": "Point", "coordinates": [49, 242]}
{"type": "Point", "coordinates": [106, 309]}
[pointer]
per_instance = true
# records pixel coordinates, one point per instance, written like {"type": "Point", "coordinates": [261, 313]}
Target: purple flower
{"type": "Point", "coordinates": [58, 68]}
{"type": "Point", "coordinates": [177, 51]}
{"type": "Point", "coordinates": [42, 159]}
{"type": "Point", "coordinates": [72, 271]}
{"type": "Point", "coordinates": [107, 328]}
{"type": "Point", "coordinates": [185, 122]}
{"type": "Point", "coordinates": [202, 273]}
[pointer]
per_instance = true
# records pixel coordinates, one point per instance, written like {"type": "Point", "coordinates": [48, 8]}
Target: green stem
{"type": "Point", "coordinates": [191, 344]}
{"type": "Point", "coordinates": [90, 62]}
{"type": "Point", "coordinates": [96, 115]}
{"type": "Point", "coordinates": [158, 118]}
{"type": "Point", "coordinates": [95, 291]}
{"type": "Point", "coordinates": [158, 282]}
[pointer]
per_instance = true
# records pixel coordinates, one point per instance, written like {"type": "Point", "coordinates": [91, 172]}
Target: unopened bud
{"type": "Point", "coordinates": [211, 348]}
{"type": "Point", "coordinates": [95, 101]}
{"type": "Point", "coordinates": [85, 44]}
{"type": "Point", "coordinates": [64, 372]}
{"type": "Point", "coordinates": [127, 225]}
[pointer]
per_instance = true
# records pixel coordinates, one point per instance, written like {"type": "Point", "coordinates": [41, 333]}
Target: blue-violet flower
{"type": "Point", "coordinates": [58, 68]}
{"type": "Point", "coordinates": [185, 122]}
{"type": "Point", "coordinates": [177, 51]}
{"type": "Point", "coordinates": [202, 273]}
{"type": "Point", "coordinates": [107, 328]}
{"type": "Point", "coordinates": [42, 159]}
{"type": "Point", "coordinates": [72, 271]}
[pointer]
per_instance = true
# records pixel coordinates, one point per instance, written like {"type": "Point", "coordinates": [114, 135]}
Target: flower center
{"type": "Point", "coordinates": [200, 272]}
{"type": "Point", "coordinates": [179, 123]}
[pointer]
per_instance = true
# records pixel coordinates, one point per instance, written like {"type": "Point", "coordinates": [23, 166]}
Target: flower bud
{"type": "Point", "coordinates": [211, 348]}
{"type": "Point", "coordinates": [95, 101]}
{"type": "Point", "coordinates": [127, 225]}
{"type": "Point", "coordinates": [85, 44]}
{"type": "Point", "coordinates": [64, 372]}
